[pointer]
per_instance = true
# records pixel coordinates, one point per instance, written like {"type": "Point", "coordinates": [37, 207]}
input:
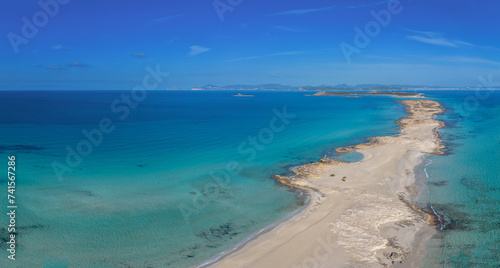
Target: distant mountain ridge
{"type": "Point", "coordinates": [309, 88]}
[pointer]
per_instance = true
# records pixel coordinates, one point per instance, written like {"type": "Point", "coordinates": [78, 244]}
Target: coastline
{"type": "Point", "coordinates": [252, 237]}
{"type": "Point", "coordinates": [359, 214]}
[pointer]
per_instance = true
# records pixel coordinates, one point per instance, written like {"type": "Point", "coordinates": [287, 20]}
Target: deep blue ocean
{"type": "Point", "coordinates": [173, 179]}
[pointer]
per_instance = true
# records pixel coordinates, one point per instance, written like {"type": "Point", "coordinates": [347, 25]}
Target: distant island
{"type": "Point", "coordinates": [340, 87]}
{"type": "Point", "coordinates": [373, 93]}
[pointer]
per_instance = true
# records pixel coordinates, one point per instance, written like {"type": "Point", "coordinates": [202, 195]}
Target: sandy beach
{"type": "Point", "coordinates": [359, 214]}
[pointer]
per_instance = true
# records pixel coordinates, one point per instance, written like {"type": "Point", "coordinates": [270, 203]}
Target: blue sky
{"type": "Point", "coordinates": [107, 44]}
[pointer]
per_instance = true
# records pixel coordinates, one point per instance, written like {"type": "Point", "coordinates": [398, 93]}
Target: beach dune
{"type": "Point", "coordinates": [359, 214]}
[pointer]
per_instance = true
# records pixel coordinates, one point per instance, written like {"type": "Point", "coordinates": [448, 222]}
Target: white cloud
{"type": "Point", "coordinates": [461, 59]}
{"type": "Point", "coordinates": [58, 47]}
{"type": "Point", "coordinates": [433, 41]}
{"type": "Point", "coordinates": [378, 57]}
{"type": "Point", "coordinates": [77, 64]}
{"type": "Point", "coordinates": [168, 18]}
{"type": "Point", "coordinates": [195, 50]}
{"type": "Point", "coordinates": [139, 55]}
{"type": "Point", "coordinates": [426, 33]}
{"type": "Point", "coordinates": [54, 67]}
{"type": "Point", "coordinates": [303, 11]}
{"type": "Point", "coordinates": [311, 10]}
{"type": "Point", "coordinates": [434, 38]}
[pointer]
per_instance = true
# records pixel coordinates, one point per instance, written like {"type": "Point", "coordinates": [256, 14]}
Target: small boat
{"type": "Point", "coordinates": [242, 95]}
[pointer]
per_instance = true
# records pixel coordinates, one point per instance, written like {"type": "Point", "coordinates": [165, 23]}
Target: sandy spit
{"type": "Point", "coordinates": [360, 214]}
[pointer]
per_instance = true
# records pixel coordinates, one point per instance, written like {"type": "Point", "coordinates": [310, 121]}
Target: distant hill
{"type": "Point", "coordinates": [309, 88]}
{"type": "Point", "coordinates": [248, 87]}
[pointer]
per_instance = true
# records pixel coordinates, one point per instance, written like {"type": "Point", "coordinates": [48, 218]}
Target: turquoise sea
{"type": "Point", "coordinates": [178, 177]}
{"type": "Point", "coordinates": [464, 184]}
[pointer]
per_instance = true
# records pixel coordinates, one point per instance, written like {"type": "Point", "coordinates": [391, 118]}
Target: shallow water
{"type": "Point", "coordinates": [349, 157]}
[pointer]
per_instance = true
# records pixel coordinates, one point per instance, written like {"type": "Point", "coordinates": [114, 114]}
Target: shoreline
{"type": "Point", "coordinates": [363, 217]}
{"type": "Point", "coordinates": [219, 257]}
